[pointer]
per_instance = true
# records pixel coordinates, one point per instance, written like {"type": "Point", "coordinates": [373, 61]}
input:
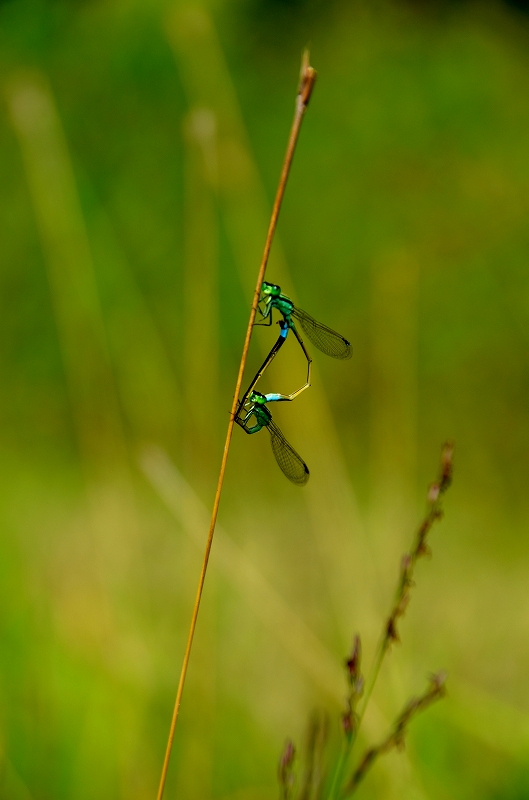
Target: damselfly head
{"type": "Point", "coordinates": [258, 398]}
{"type": "Point", "coordinates": [271, 289]}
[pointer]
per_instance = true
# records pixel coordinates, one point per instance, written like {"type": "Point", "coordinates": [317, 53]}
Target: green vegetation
{"type": "Point", "coordinates": [140, 146]}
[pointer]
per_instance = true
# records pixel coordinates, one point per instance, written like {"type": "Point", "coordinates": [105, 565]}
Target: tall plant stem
{"type": "Point", "coordinates": [308, 78]}
{"type": "Point", "coordinates": [382, 649]}
{"type": "Point", "coordinates": [402, 594]}
{"type": "Point", "coordinates": [340, 768]}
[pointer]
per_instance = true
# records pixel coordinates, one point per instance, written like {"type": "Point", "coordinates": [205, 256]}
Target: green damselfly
{"type": "Point", "coordinates": [322, 337]}
{"type": "Point", "coordinates": [289, 461]}
{"type": "Point", "coordinates": [253, 404]}
{"type": "Point", "coordinates": [325, 339]}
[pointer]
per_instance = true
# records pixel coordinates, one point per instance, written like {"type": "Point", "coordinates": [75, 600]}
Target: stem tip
{"type": "Point", "coordinates": [307, 79]}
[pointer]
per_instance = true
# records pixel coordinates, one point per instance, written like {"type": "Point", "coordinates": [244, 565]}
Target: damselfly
{"type": "Point", "coordinates": [290, 462]}
{"type": "Point", "coordinates": [322, 337]}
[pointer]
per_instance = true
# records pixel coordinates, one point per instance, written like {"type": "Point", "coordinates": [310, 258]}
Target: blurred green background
{"type": "Point", "coordinates": [140, 148]}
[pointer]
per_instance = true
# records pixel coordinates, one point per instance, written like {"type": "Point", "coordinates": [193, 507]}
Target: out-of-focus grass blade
{"type": "Point", "coordinates": [80, 327]}
{"type": "Point", "coordinates": [284, 624]}
{"type": "Point", "coordinates": [70, 269]}
{"type": "Point", "coordinates": [393, 402]}
{"type": "Point", "coordinates": [208, 85]}
{"type": "Point", "coordinates": [11, 784]}
{"type": "Point", "coordinates": [112, 522]}
{"type": "Point", "coordinates": [149, 392]}
{"type": "Point", "coordinates": [486, 717]}
{"type": "Point", "coordinates": [201, 289]}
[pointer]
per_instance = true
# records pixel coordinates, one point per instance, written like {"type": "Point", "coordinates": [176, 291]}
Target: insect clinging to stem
{"type": "Point", "coordinates": [325, 339]}
{"type": "Point", "coordinates": [289, 461]}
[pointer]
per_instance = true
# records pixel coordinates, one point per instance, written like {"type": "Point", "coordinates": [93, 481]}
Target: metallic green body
{"type": "Point", "coordinates": [325, 339]}
{"type": "Point", "coordinates": [274, 298]}
{"type": "Point", "coordinates": [252, 414]}
{"type": "Point", "coordinates": [256, 407]}
{"type": "Point", "coordinates": [289, 461]}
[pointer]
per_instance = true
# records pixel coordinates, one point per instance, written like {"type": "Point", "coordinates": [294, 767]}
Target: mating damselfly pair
{"type": "Point", "coordinates": [253, 414]}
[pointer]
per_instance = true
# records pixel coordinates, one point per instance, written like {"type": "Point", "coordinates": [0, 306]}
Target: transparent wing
{"type": "Point", "coordinates": [290, 462]}
{"type": "Point", "coordinates": [322, 337]}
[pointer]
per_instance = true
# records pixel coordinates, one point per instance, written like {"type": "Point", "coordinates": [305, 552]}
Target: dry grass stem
{"type": "Point", "coordinates": [308, 78]}
{"type": "Point", "coordinates": [208, 83]}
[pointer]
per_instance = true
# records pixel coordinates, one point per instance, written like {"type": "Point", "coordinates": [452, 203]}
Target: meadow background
{"type": "Point", "coordinates": [140, 146]}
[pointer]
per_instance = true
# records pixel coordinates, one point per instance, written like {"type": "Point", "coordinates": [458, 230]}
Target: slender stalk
{"type": "Point", "coordinates": [340, 768]}
{"type": "Point", "coordinates": [350, 718]}
{"type": "Point", "coordinates": [420, 548]}
{"type": "Point", "coordinates": [375, 669]}
{"type": "Point", "coordinates": [308, 78]}
{"type": "Point", "coordinates": [395, 738]}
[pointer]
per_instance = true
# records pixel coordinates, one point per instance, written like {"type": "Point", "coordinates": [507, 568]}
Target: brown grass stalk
{"type": "Point", "coordinates": [208, 83]}
{"type": "Point", "coordinates": [308, 78]}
